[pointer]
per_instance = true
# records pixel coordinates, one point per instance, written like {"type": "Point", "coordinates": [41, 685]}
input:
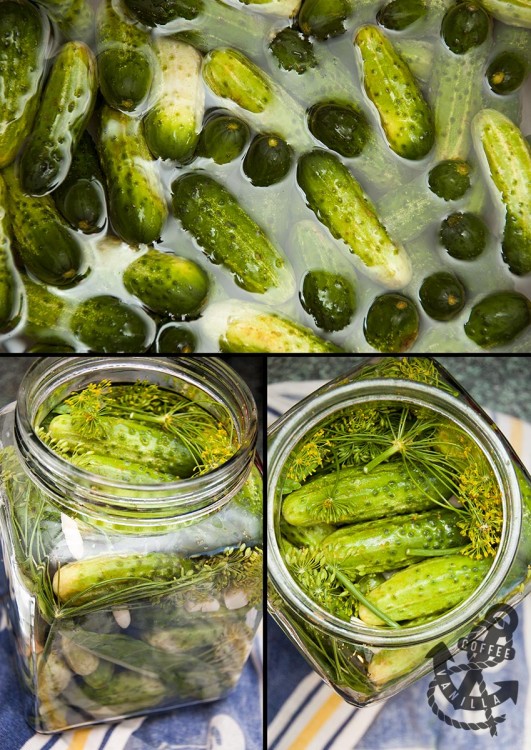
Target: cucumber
{"type": "Point", "coordinates": [392, 323]}
{"type": "Point", "coordinates": [404, 113]}
{"type": "Point", "coordinates": [505, 157]}
{"type": "Point", "coordinates": [24, 36]}
{"type": "Point", "coordinates": [51, 348]}
{"type": "Point", "coordinates": [66, 107]}
{"type": "Point", "coordinates": [407, 210]}
{"type": "Point", "coordinates": [47, 314]}
{"type": "Point", "coordinates": [268, 160]}
{"type": "Point", "coordinates": [450, 179]}
{"type": "Point", "coordinates": [293, 51]}
{"type": "Point", "coordinates": [506, 73]}
{"type": "Point", "coordinates": [176, 340]}
{"type": "Point", "coordinates": [126, 61]}
{"type": "Point", "coordinates": [106, 324]}
{"type": "Point", "coordinates": [512, 12]}
{"type": "Point", "coordinates": [168, 284]}
{"type": "Point", "coordinates": [350, 495]}
{"type": "Point", "coordinates": [223, 137]}
{"type": "Point", "coordinates": [75, 18]}
{"type": "Point", "coordinates": [334, 196]}
{"type": "Point", "coordinates": [340, 126]}
{"type": "Point", "coordinates": [10, 296]}
{"type": "Point", "coordinates": [463, 235]}
{"type": "Point", "coordinates": [281, 8]}
{"type": "Point", "coordinates": [305, 536]}
{"type": "Point", "coordinates": [173, 123]}
{"type": "Point", "coordinates": [418, 56]}
{"type": "Point", "coordinates": [160, 13]}
{"type": "Point", "coordinates": [137, 205]}
{"type": "Point", "coordinates": [399, 14]}
{"type": "Point", "coordinates": [47, 247]}
{"type": "Point", "coordinates": [465, 25]}
{"type": "Point", "coordinates": [498, 318]}
{"type": "Point", "coordinates": [442, 295]}
{"type": "Point", "coordinates": [229, 236]}
{"type": "Point", "coordinates": [382, 545]}
{"type": "Point", "coordinates": [324, 18]}
{"type": "Point", "coordinates": [330, 298]}
{"type": "Point", "coordinates": [426, 588]}
{"type": "Point", "coordinates": [81, 196]}
{"type": "Point", "coordinates": [120, 469]}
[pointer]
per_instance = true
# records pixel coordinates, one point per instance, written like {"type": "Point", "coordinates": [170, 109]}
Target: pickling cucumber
{"type": "Point", "coordinates": [418, 55]}
{"type": "Point", "coordinates": [10, 296]}
{"type": "Point", "coordinates": [24, 36]}
{"type": "Point", "coordinates": [335, 196]}
{"type": "Point", "coordinates": [506, 73]}
{"type": "Point", "coordinates": [464, 26]}
{"type": "Point", "coordinates": [137, 205]}
{"type": "Point", "coordinates": [450, 179]}
{"type": "Point", "coordinates": [511, 12]}
{"type": "Point", "coordinates": [173, 123]}
{"type": "Point", "coordinates": [126, 61]}
{"type": "Point", "coordinates": [229, 236]}
{"type": "Point", "coordinates": [392, 323]}
{"type": "Point", "coordinates": [160, 13]}
{"type": "Point", "coordinates": [174, 339]}
{"type": "Point", "coordinates": [223, 137]}
{"type": "Point", "coordinates": [324, 18]}
{"type": "Point", "coordinates": [350, 495]}
{"type": "Point", "coordinates": [106, 324]}
{"type": "Point", "coordinates": [168, 284]}
{"type": "Point", "coordinates": [293, 51]}
{"type": "Point", "coordinates": [505, 157]}
{"type": "Point", "coordinates": [498, 318]}
{"type": "Point", "coordinates": [404, 113]}
{"type": "Point", "coordinates": [463, 235]}
{"type": "Point", "coordinates": [442, 295]}
{"type": "Point", "coordinates": [75, 18]}
{"type": "Point", "coordinates": [66, 107]}
{"type": "Point", "coordinates": [47, 314]}
{"type": "Point", "coordinates": [268, 160]}
{"type": "Point", "coordinates": [399, 14]}
{"type": "Point", "coordinates": [281, 8]}
{"type": "Point", "coordinates": [425, 588]}
{"type": "Point", "coordinates": [340, 126]}
{"type": "Point", "coordinates": [47, 246]}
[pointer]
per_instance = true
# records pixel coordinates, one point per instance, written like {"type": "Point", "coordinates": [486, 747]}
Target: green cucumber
{"type": "Point", "coordinates": [392, 323]}
{"type": "Point", "coordinates": [293, 51]}
{"type": "Point", "coordinates": [168, 284]}
{"type": "Point", "coordinates": [280, 8]}
{"type": "Point", "coordinates": [108, 325]}
{"type": "Point", "coordinates": [24, 36]}
{"type": "Point", "coordinates": [305, 536]}
{"type": "Point", "coordinates": [268, 160]}
{"type": "Point", "coordinates": [463, 235]}
{"type": "Point", "coordinates": [174, 339]}
{"type": "Point", "coordinates": [399, 14]}
{"type": "Point", "coordinates": [382, 545]}
{"type": "Point", "coordinates": [465, 26]}
{"type": "Point", "coordinates": [511, 12]}
{"type": "Point", "coordinates": [449, 179]}
{"type": "Point", "coordinates": [47, 314]}
{"type": "Point", "coordinates": [351, 495]}
{"type": "Point", "coordinates": [506, 73]}
{"type": "Point", "coordinates": [404, 113]}
{"type": "Point", "coordinates": [425, 588]}
{"type": "Point", "coordinates": [335, 196]}
{"type": "Point", "coordinates": [47, 246]}
{"type": "Point", "coordinates": [442, 295]}
{"type": "Point", "coordinates": [340, 126]}
{"type": "Point", "coordinates": [229, 236]}
{"type": "Point", "coordinates": [408, 209]}
{"type": "Point", "coordinates": [498, 318]}
{"type": "Point", "coordinates": [173, 123]}
{"type": "Point", "coordinates": [137, 205]}
{"type": "Point", "coordinates": [126, 61]}
{"type": "Point", "coordinates": [81, 196]}
{"type": "Point", "coordinates": [324, 18]}
{"type": "Point", "coordinates": [10, 295]}
{"type": "Point", "coordinates": [508, 67]}
{"type": "Point", "coordinates": [160, 13]}
{"type": "Point", "coordinates": [75, 18]}
{"type": "Point", "coordinates": [121, 469]}
{"type": "Point", "coordinates": [66, 107]}
{"type": "Point", "coordinates": [418, 56]}
{"type": "Point", "coordinates": [223, 137]}
{"type": "Point", "coordinates": [505, 157]}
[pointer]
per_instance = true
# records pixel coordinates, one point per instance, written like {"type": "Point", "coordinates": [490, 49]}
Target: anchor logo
{"type": "Point", "coordinates": [487, 645]}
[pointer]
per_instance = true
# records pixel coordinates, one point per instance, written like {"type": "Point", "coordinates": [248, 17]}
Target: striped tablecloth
{"type": "Point", "coordinates": [305, 714]}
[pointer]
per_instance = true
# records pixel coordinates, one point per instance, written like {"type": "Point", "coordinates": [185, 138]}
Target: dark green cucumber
{"type": "Point", "coordinates": [66, 107]}
{"type": "Point", "coordinates": [268, 159]}
{"type": "Point", "coordinates": [168, 284]}
{"type": "Point", "coordinates": [324, 18]}
{"type": "Point", "coordinates": [305, 536]}
{"type": "Point", "coordinates": [126, 61]}
{"type": "Point", "coordinates": [106, 324]}
{"type": "Point", "coordinates": [464, 26]}
{"type": "Point", "coordinates": [442, 295]}
{"type": "Point", "coordinates": [330, 298]}
{"type": "Point", "coordinates": [340, 126]}
{"type": "Point", "coordinates": [52, 348]}
{"type": "Point", "coordinates": [404, 113]}
{"type": "Point", "coordinates": [350, 495]}
{"type": "Point", "coordinates": [511, 12]}
{"type": "Point", "coordinates": [24, 40]}
{"type": "Point", "coordinates": [399, 14]}
{"type": "Point", "coordinates": [449, 179]}
{"type": "Point", "coordinates": [293, 51]}
{"type": "Point", "coordinates": [464, 235]}
{"type": "Point", "coordinates": [81, 196]}
{"type": "Point", "coordinates": [498, 318]}
{"type": "Point", "coordinates": [506, 73]}
{"type": "Point", "coordinates": [75, 18]}
{"type": "Point", "coordinates": [173, 123]}
{"type": "Point", "coordinates": [174, 339]}
{"type": "Point", "coordinates": [229, 236]}
{"type": "Point", "coordinates": [392, 323]}
{"type": "Point", "coordinates": [335, 196]}
{"type": "Point", "coordinates": [426, 588]}
{"type": "Point", "coordinates": [382, 545]}
{"type": "Point", "coordinates": [160, 13]}
{"type": "Point", "coordinates": [10, 294]}
{"type": "Point", "coordinates": [47, 246]}
{"type": "Point", "coordinates": [137, 205]}
{"type": "Point", "coordinates": [223, 137]}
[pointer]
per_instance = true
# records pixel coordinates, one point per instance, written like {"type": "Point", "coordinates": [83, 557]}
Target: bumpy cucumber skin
{"type": "Point", "coordinates": [442, 295]}
{"type": "Point", "coordinates": [498, 318]}
{"type": "Point", "coordinates": [160, 13]}
{"type": "Point", "coordinates": [340, 126]}
{"type": "Point", "coordinates": [268, 160]}
{"type": "Point", "coordinates": [324, 18]}
{"type": "Point", "coordinates": [168, 284]}
{"type": "Point", "coordinates": [75, 18]}
{"type": "Point", "coordinates": [230, 74]}
{"type": "Point", "coordinates": [48, 248]}
{"type": "Point", "coordinates": [392, 323]}
{"type": "Point", "coordinates": [10, 298]}
{"type": "Point", "coordinates": [404, 113]}
{"type": "Point", "coordinates": [293, 51]}
{"type": "Point", "coordinates": [511, 12]}
{"type": "Point", "coordinates": [137, 205]}
{"type": "Point", "coordinates": [223, 137]}
{"type": "Point", "coordinates": [449, 179]}
{"type": "Point", "coordinates": [124, 470]}
{"type": "Point", "coordinates": [108, 325]}
{"type": "Point", "coordinates": [426, 588]}
{"type": "Point", "coordinates": [46, 313]}
{"type": "Point", "coordinates": [324, 179]}
{"type": "Point", "coordinates": [330, 299]}
{"type": "Point", "coordinates": [66, 108]}
{"type": "Point", "coordinates": [126, 60]}
{"type": "Point", "coordinates": [387, 490]}
{"type": "Point", "coordinates": [24, 38]}
{"type": "Point", "coordinates": [508, 170]}
{"type": "Point", "coordinates": [228, 235]}
{"type": "Point", "coordinates": [464, 26]}
{"type": "Point", "coordinates": [463, 235]}
{"type": "Point", "coordinates": [378, 546]}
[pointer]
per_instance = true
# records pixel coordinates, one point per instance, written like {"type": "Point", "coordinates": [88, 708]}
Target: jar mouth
{"type": "Point", "coordinates": [223, 393]}
{"type": "Point", "coordinates": [298, 421]}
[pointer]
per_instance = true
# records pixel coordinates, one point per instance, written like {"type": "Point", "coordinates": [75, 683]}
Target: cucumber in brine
{"type": "Point", "coordinates": [223, 137]}
{"type": "Point", "coordinates": [268, 160]}
{"type": "Point", "coordinates": [392, 323]}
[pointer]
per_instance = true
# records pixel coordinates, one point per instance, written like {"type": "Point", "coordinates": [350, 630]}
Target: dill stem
{"type": "Point", "coordinates": [382, 457]}
{"type": "Point", "coordinates": [354, 590]}
{"type": "Point", "coordinates": [414, 551]}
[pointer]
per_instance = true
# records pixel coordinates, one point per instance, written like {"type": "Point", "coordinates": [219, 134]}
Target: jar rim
{"type": "Point", "coordinates": [305, 415]}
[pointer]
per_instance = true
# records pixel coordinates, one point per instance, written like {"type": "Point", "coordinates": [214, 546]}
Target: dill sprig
{"type": "Point", "coordinates": [481, 497]}
{"type": "Point", "coordinates": [419, 369]}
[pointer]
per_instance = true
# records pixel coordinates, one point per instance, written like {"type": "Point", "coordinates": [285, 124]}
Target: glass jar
{"type": "Point", "coordinates": [363, 663]}
{"type": "Point", "coordinates": [168, 575]}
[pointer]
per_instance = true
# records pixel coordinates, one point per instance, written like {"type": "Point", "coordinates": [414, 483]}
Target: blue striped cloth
{"type": "Point", "coordinates": [305, 714]}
